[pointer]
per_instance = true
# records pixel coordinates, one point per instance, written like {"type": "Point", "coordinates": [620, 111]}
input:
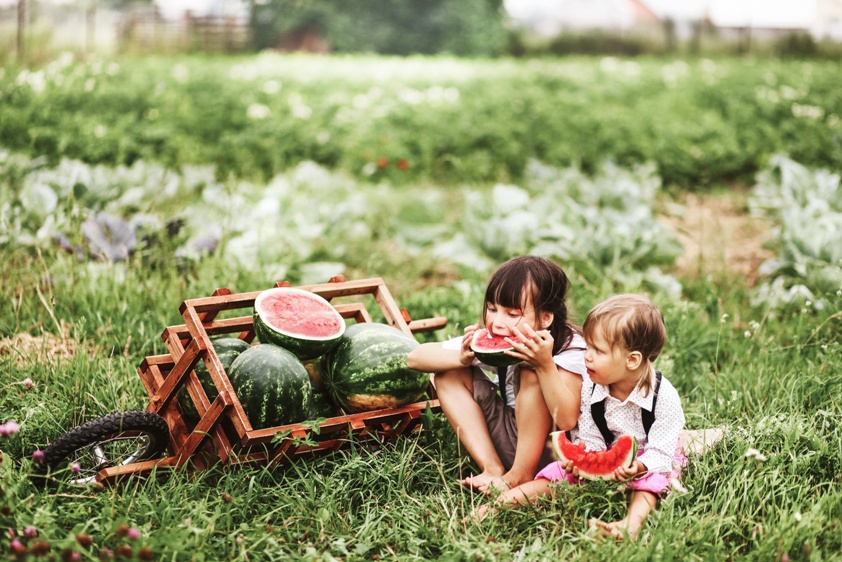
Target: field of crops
{"type": "Point", "coordinates": [128, 186]}
{"type": "Point", "coordinates": [702, 122]}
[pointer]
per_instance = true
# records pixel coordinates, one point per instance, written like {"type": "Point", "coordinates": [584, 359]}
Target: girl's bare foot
{"type": "Point", "coordinates": [495, 485]}
{"type": "Point", "coordinates": [482, 482]}
{"type": "Point", "coordinates": [617, 529]}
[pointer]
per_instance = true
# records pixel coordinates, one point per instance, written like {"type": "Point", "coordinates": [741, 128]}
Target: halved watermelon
{"type": "Point", "coordinates": [595, 465]}
{"type": "Point", "coordinates": [297, 320]}
{"type": "Point", "coordinates": [489, 349]}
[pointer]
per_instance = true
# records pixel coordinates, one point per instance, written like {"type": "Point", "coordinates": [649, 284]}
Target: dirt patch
{"type": "Point", "coordinates": [25, 349]}
{"type": "Point", "coordinates": [718, 235]}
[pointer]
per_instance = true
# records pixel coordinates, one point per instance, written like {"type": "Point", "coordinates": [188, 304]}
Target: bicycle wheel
{"type": "Point", "coordinates": [114, 440]}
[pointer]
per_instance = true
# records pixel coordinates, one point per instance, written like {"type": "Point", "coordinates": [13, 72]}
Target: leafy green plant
{"type": "Point", "coordinates": [807, 206]}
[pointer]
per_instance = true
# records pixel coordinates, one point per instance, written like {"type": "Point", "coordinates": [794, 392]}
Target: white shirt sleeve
{"type": "Point", "coordinates": [452, 343]}
{"type": "Point", "coordinates": [573, 357]}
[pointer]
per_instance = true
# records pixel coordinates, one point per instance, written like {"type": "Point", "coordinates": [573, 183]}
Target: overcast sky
{"type": "Point", "coordinates": [735, 12]}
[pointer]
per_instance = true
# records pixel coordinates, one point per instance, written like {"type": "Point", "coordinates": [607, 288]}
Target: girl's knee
{"type": "Point", "coordinates": [528, 380]}
{"type": "Point", "coordinates": [460, 378]}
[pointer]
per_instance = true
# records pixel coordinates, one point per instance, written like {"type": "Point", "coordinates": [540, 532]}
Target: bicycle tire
{"type": "Point", "coordinates": [134, 436]}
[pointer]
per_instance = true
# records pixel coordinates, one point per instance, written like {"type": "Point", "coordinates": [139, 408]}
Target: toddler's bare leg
{"type": "Point", "coordinates": [640, 505]}
{"type": "Point", "coordinates": [526, 492]}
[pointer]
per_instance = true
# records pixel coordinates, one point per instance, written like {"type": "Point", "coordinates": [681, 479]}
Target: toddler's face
{"type": "Point", "coordinates": [605, 364]}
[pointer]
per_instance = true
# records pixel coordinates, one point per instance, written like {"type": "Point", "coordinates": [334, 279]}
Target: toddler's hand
{"type": "Point", "coordinates": [624, 474]}
{"type": "Point", "coordinates": [569, 468]}
{"type": "Point", "coordinates": [466, 356]}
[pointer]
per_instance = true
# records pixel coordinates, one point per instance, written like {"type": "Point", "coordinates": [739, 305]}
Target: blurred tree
{"type": "Point", "coordinates": [397, 27]}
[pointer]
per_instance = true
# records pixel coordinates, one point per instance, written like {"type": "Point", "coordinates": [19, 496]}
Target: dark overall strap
{"type": "Point", "coordinates": [501, 382]}
{"type": "Point", "coordinates": [598, 413]}
{"type": "Point", "coordinates": [649, 415]}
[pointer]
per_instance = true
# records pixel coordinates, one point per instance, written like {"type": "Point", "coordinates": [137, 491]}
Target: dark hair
{"type": "Point", "coordinates": [544, 281]}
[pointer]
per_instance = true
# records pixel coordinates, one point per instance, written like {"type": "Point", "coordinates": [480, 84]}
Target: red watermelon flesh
{"type": "Point", "coordinates": [595, 465]}
{"type": "Point", "coordinates": [301, 314]}
{"type": "Point", "coordinates": [489, 349]}
{"type": "Point", "coordinates": [297, 320]}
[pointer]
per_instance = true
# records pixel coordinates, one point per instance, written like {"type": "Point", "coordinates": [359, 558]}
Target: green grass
{"type": "Point", "coordinates": [776, 390]}
{"type": "Point", "coordinates": [79, 329]}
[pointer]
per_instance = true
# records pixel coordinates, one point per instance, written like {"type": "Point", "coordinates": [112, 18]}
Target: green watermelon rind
{"type": "Point", "coordinates": [227, 349]}
{"type": "Point", "coordinates": [367, 370]}
{"type": "Point", "coordinates": [494, 358]}
{"type": "Point", "coordinates": [556, 440]}
{"type": "Point", "coordinates": [304, 347]}
{"type": "Point", "coordinates": [272, 386]}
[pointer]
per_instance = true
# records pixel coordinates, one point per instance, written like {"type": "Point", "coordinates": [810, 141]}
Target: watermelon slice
{"type": "Point", "coordinates": [489, 349]}
{"type": "Point", "coordinates": [297, 320]}
{"type": "Point", "coordinates": [595, 465]}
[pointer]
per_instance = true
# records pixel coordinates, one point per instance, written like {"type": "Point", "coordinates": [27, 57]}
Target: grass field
{"type": "Point", "coordinates": [754, 350]}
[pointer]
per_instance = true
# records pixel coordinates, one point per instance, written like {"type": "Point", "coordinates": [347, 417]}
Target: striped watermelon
{"type": "Point", "coordinates": [489, 349]}
{"type": "Point", "coordinates": [367, 370]}
{"type": "Point", "coordinates": [297, 320]}
{"type": "Point", "coordinates": [272, 386]}
{"type": "Point", "coordinates": [322, 406]}
{"type": "Point", "coordinates": [227, 349]}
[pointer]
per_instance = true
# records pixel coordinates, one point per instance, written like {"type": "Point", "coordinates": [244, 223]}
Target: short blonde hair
{"type": "Point", "coordinates": [633, 323]}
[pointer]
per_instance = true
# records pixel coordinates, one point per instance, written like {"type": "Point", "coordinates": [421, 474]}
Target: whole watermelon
{"type": "Point", "coordinates": [322, 406]}
{"type": "Point", "coordinates": [367, 370]}
{"type": "Point", "coordinates": [272, 386]}
{"type": "Point", "coordinates": [227, 349]}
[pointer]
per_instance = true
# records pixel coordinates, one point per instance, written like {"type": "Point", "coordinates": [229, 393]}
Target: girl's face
{"type": "Point", "coordinates": [501, 320]}
{"type": "Point", "coordinates": [606, 365]}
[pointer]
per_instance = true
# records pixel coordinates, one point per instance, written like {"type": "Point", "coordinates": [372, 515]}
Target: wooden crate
{"type": "Point", "coordinates": [223, 434]}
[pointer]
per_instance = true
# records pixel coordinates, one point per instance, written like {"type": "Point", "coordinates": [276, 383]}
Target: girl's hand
{"type": "Point", "coordinates": [536, 348]}
{"type": "Point", "coordinates": [466, 356]}
{"type": "Point", "coordinates": [569, 468]}
{"type": "Point", "coordinates": [624, 474]}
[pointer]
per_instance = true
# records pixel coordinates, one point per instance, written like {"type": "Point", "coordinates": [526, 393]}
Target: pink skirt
{"type": "Point", "coordinates": [657, 483]}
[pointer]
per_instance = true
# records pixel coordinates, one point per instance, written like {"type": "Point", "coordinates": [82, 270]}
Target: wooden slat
{"type": "Point", "coordinates": [183, 366]}
{"type": "Point", "coordinates": [390, 310]}
{"type": "Point", "coordinates": [220, 379]}
{"type": "Point", "coordinates": [427, 324]}
{"type": "Point", "coordinates": [341, 423]}
{"type": "Point", "coordinates": [112, 474]}
{"type": "Point", "coordinates": [204, 428]}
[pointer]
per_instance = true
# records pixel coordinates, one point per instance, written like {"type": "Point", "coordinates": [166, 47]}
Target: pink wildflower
{"type": "Point", "coordinates": [17, 547]}
{"type": "Point", "coordinates": [30, 532]}
{"type": "Point", "coordinates": [27, 382]}
{"type": "Point", "coordinates": [133, 534]}
{"type": "Point", "coordinates": [38, 456]}
{"type": "Point", "coordinates": [75, 467]}
{"type": "Point", "coordinates": [9, 428]}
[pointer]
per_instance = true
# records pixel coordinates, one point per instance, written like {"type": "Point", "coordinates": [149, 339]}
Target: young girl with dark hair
{"type": "Point", "coordinates": [622, 394]}
{"type": "Point", "coordinates": [503, 418]}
